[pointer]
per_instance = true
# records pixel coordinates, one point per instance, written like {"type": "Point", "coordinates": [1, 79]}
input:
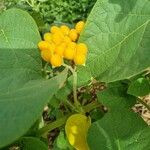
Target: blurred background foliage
{"type": "Point", "coordinates": [52, 11]}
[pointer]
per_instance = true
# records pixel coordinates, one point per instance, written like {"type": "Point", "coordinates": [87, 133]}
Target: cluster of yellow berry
{"type": "Point", "coordinates": [60, 43]}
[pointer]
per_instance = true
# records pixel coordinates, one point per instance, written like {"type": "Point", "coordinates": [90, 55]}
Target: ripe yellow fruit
{"type": "Point", "coordinates": [73, 34]}
{"type": "Point", "coordinates": [79, 59]}
{"type": "Point", "coordinates": [76, 129]}
{"type": "Point", "coordinates": [57, 38]}
{"type": "Point", "coordinates": [64, 29]}
{"type": "Point", "coordinates": [51, 47]}
{"type": "Point", "coordinates": [43, 45]}
{"type": "Point", "coordinates": [82, 48]}
{"type": "Point", "coordinates": [54, 29]}
{"type": "Point", "coordinates": [69, 53]}
{"type": "Point", "coordinates": [79, 26]}
{"type": "Point", "coordinates": [46, 55]}
{"type": "Point", "coordinates": [72, 45]}
{"type": "Point", "coordinates": [60, 49]}
{"type": "Point", "coordinates": [66, 39]}
{"type": "Point", "coordinates": [56, 60]}
{"type": "Point", "coordinates": [48, 37]}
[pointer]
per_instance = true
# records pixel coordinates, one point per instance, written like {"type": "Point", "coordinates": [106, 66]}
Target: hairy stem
{"type": "Point", "coordinates": [74, 74]}
{"type": "Point", "coordinates": [51, 126]}
{"type": "Point", "coordinates": [30, 4]}
{"type": "Point", "coordinates": [44, 70]}
{"type": "Point", "coordinates": [91, 106]}
{"type": "Point", "coordinates": [60, 122]}
{"type": "Point", "coordinates": [75, 88]}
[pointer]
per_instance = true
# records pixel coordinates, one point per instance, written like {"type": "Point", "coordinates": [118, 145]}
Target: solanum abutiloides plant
{"type": "Point", "coordinates": [117, 42]}
{"type": "Point", "coordinates": [60, 47]}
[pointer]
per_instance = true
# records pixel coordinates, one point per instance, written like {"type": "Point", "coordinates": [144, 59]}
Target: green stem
{"type": "Point", "coordinates": [70, 105]}
{"type": "Point", "coordinates": [74, 74]}
{"type": "Point", "coordinates": [75, 88]}
{"type": "Point", "coordinates": [44, 71]}
{"type": "Point", "coordinates": [60, 122]}
{"type": "Point", "coordinates": [69, 67]}
{"type": "Point", "coordinates": [142, 102]}
{"type": "Point", "coordinates": [30, 4]}
{"type": "Point", "coordinates": [51, 126]}
{"type": "Point", "coordinates": [91, 106]}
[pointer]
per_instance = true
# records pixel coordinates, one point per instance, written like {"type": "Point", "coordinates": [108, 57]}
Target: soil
{"type": "Point", "coordinates": [142, 110]}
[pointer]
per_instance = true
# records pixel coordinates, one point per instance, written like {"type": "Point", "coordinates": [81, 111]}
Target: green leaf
{"type": "Point", "coordinates": [61, 141]}
{"type": "Point", "coordinates": [120, 128]}
{"type": "Point", "coordinates": [117, 34]}
{"type": "Point", "coordinates": [63, 93]}
{"type": "Point", "coordinates": [23, 91]}
{"type": "Point", "coordinates": [139, 87]}
{"type": "Point", "coordinates": [31, 143]}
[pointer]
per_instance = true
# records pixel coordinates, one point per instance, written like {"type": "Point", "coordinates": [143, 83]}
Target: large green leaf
{"type": "Point", "coordinates": [23, 91]}
{"type": "Point", "coordinates": [120, 128]}
{"type": "Point", "coordinates": [117, 34]}
{"type": "Point", "coordinates": [31, 143]}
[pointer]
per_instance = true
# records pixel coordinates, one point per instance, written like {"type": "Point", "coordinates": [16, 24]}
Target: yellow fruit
{"type": "Point", "coordinates": [79, 26]}
{"type": "Point", "coordinates": [57, 38]}
{"type": "Point", "coordinates": [73, 34]}
{"type": "Point", "coordinates": [66, 39]}
{"type": "Point", "coordinates": [79, 59]}
{"type": "Point", "coordinates": [72, 45]}
{"type": "Point", "coordinates": [60, 49]}
{"type": "Point", "coordinates": [54, 29]}
{"type": "Point", "coordinates": [76, 129]}
{"type": "Point", "coordinates": [46, 55]}
{"type": "Point", "coordinates": [51, 47]}
{"type": "Point", "coordinates": [82, 48]}
{"type": "Point", "coordinates": [48, 37]}
{"type": "Point", "coordinates": [43, 45]}
{"type": "Point", "coordinates": [69, 53]}
{"type": "Point", "coordinates": [56, 60]}
{"type": "Point", "coordinates": [64, 29]}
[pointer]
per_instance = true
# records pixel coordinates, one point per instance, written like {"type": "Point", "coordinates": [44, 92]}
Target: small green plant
{"type": "Point", "coordinates": [84, 80]}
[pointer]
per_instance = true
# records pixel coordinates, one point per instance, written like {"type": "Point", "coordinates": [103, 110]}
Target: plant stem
{"type": "Point", "coordinates": [142, 102]}
{"type": "Point", "coordinates": [69, 67]}
{"type": "Point", "coordinates": [91, 106]}
{"type": "Point", "coordinates": [30, 4]}
{"type": "Point", "coordinates": [60, 122]}
{"type": "Point", "coordinates": [44, 71]}
{"type": "Point", "coordinates": [75, 88]}
{"type": "Point", "coordinates": [51, 126]}
{"type": "Point", "coordinates": [70, 105]}
{"type": "Point", "coordinates": [74, 74]}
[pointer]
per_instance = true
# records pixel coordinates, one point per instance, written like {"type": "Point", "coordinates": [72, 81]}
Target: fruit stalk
{"type": "Point", "coordinates": [77, 104]}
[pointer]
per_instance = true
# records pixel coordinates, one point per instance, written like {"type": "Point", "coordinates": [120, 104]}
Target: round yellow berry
{"type": "Point", "coordinates": [79, 59]}
{"type": "Point", "coordinates": [46, 55]}
{"type": "Point", "coordinates": [43, 45]}
{"type": "Point", "coordinates": [69, 53]}
{"type": "Point", "coordinates": [64, 29]}
{"type": "Point", "coordinates": [54, 29]}
{"type": "Point", "coordinates": [66, 39]}
{"type": "Point", "coordinates": [81, 48]}
{"type": "Point", "coordinates": [60, 49]}
{"type": "Point", "coordinates": [76, 129]}
{"type": "Point", "coordinates": [79, 26]}
{"type": "Point", "coordinates": [57, 38]}
{"type": "Point", "coordinates": [51, 47]}
{"type": "Point", "coordinates": [72, 45]}
{"type": "Point", "coordinates": [56, 60]}
{"type": "Point", "coordinates": [73, 34]}
{"type": "Point", "coordinates": [48, 37]}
